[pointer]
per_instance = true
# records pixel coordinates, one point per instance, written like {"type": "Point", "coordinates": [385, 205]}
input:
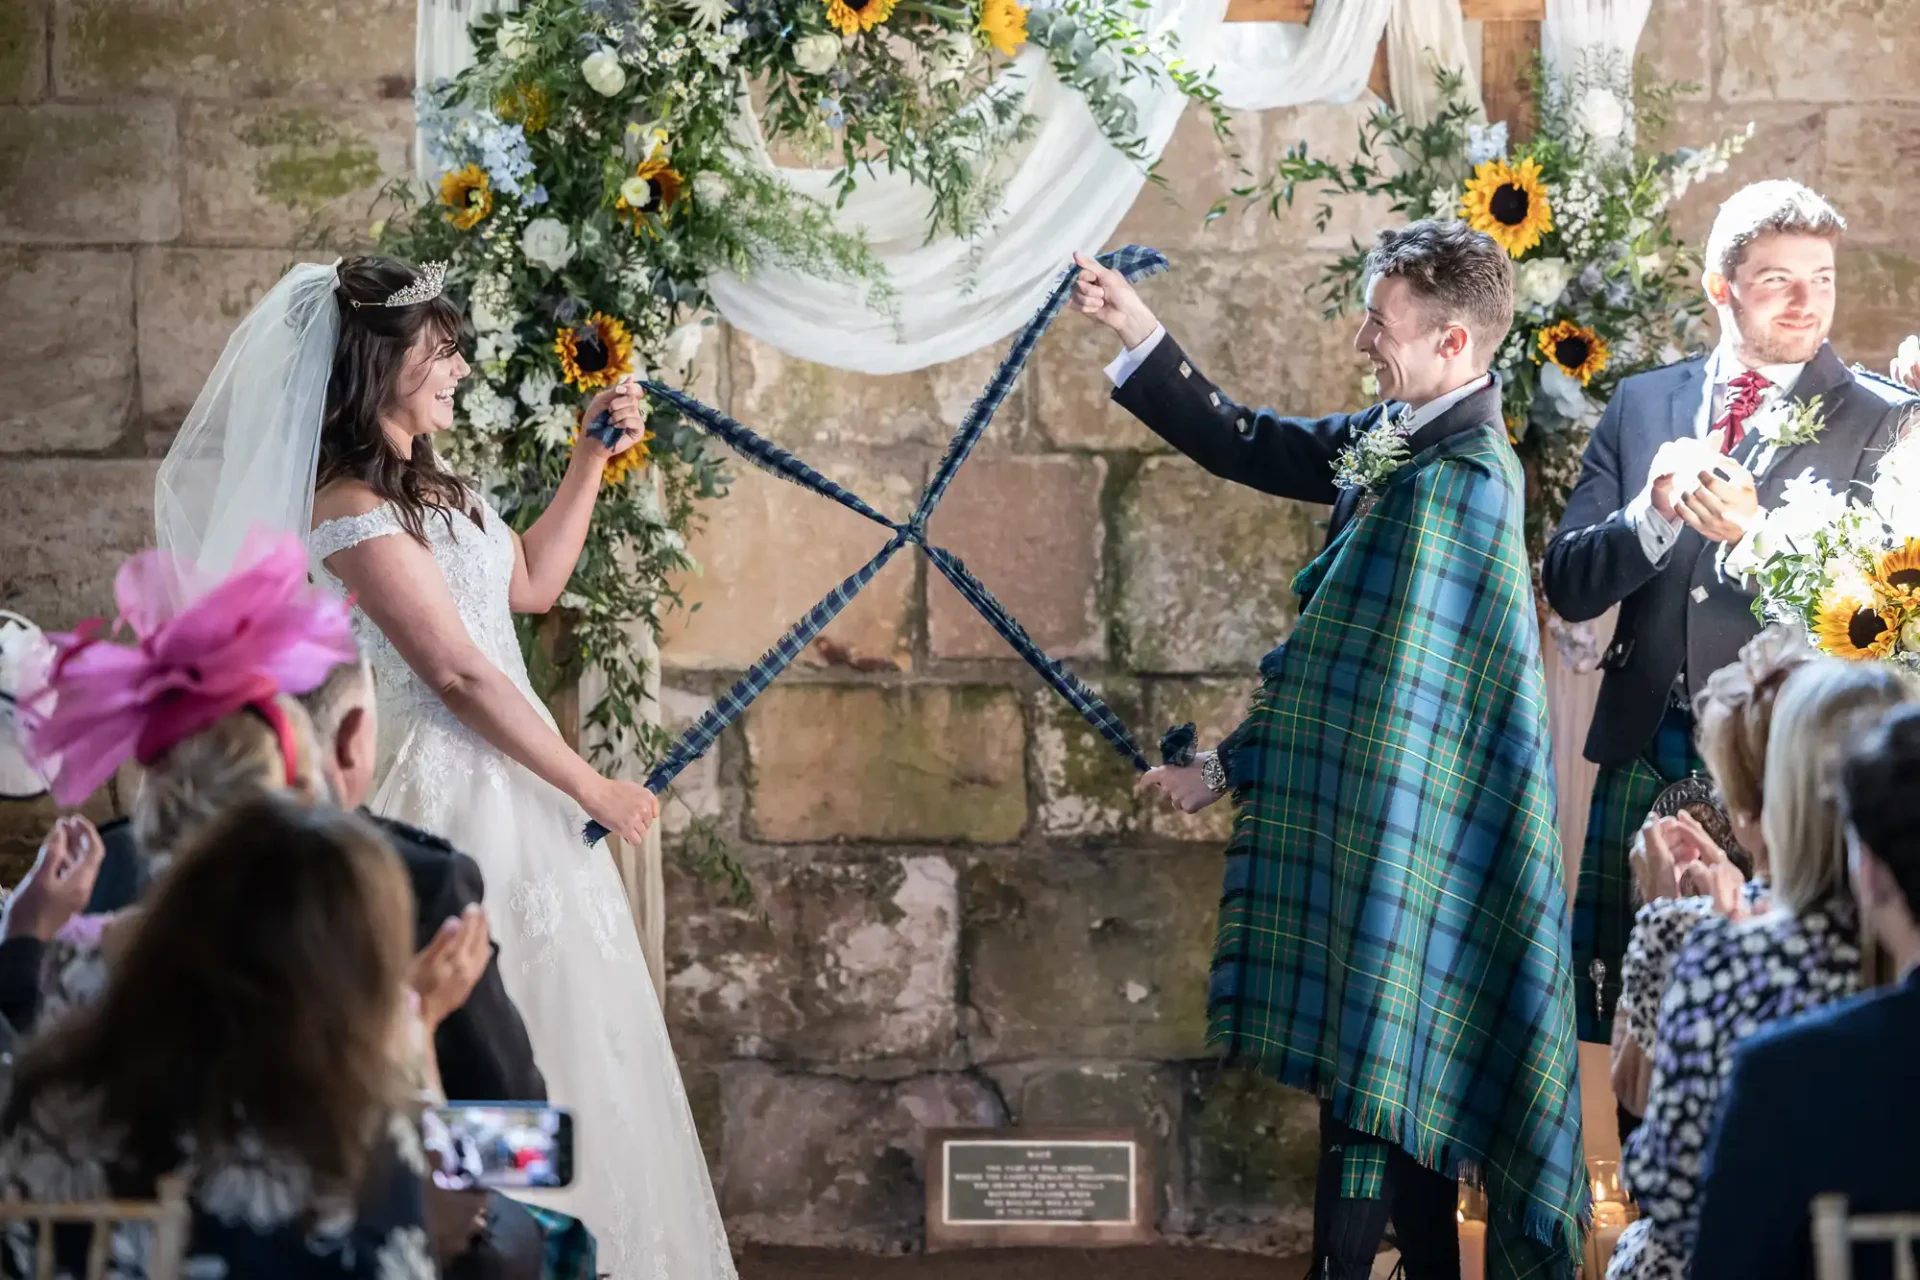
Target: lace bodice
{"type": "Point", "coordinates": [477, 563]}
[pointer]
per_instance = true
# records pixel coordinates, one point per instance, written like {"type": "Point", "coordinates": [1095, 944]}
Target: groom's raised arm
{"type": "Point", "coordinates": [1290, 457]}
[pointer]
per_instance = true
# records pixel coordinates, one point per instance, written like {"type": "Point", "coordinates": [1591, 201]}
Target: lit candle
{"type": "Point", "coordinates": [1600, 1245]}
{"type": "Point", "coordinates": [1473, 1250]}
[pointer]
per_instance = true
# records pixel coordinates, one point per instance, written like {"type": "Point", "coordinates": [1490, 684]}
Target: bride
{"type": "Point", "coordinates": [338, 380]}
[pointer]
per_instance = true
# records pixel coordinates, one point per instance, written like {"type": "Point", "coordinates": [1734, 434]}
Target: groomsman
{"type": "Point", "coordinates": [1393, 914]}
{"type": "Point", "coordinates": [1638, 535]}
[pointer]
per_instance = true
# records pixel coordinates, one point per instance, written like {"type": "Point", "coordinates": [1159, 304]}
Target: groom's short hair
{"type": "Point", "coordinates": [1775, 206]}
{"type": "Point", "coordinates": [1459, 274]}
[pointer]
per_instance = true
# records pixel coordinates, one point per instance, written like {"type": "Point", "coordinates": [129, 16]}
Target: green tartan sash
{"type": "Point", "coordinates": [1393, 923]}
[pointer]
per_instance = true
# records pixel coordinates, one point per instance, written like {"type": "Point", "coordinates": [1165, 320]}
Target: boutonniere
{"type": "Point", "coordinates": [1785, 423]}
{"type": "Point", "coordinates": [1374, 454]}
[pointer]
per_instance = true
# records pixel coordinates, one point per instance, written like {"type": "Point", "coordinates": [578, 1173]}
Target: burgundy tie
{"type": "Point", "coordinates": [1749, 390]}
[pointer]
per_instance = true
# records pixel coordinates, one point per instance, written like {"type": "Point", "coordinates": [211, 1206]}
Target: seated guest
{"type": "Point", "coordinates": [1826, 1103]}
{"type": "Point", "coordinates": [251, 1041]}
{"type": "Point", "coordinates": [199, 703]}
{"type": "Point", "coordinates": [1734, 713]}
{"type": "Point", "coordinates": [1734, 976]}
{"type": "Point", "coordinates": [483, 1047]}
{"type": "Point", "coordinates": [52, 893]}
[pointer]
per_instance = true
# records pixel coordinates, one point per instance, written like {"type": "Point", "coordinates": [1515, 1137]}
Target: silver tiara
{"type": "Point", "coordinates": [426, 286]}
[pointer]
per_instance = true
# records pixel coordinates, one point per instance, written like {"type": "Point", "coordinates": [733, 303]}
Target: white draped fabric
{"type": "Point", "coordinates": [1574, 26]}
{"type": "Point", "coordinates": [1069, 191]}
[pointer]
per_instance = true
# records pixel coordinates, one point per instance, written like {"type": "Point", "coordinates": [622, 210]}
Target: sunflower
{"type": "Point", "coordinates": [1575, 348]}
{"type": "Point", "coordinates": [468, 196]}
{"type": "Point", "coordinates": [653, 189]}
{"type": "Point", "coordinates": [1847, 625]}
{"type": "Point", "coordinates": [1896, 577]}
{"type": "Point", "coordinates": [1004, 22]}
{"type": "Point", "coordinates": [1509, 203]}
{"type": "Point", "coordinates": [525, 105]}
{"type": "Point", "coordinates": [851, 17]}
{"type": "Point", "coordinates": [595, 353]}
{"type": "Point", "coordinates": [625, 463]}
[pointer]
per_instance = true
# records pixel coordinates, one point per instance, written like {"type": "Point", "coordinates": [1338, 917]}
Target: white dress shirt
{"type": "Point", "coordinates": [1126, 362]}
{"type": "Point", "coordinates": [1657, 533]}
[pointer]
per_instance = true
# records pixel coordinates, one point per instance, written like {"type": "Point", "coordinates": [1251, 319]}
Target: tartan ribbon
{"type": "Point", "coordinates": [1134, 262]}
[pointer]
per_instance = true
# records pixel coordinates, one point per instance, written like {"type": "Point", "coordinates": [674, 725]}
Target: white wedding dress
{"type": "Point", "coordinates": [569, 952]}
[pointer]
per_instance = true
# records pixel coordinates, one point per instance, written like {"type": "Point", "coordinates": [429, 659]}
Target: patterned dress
{"type": "Point", "coordinates": [1660, 929]}
{"type": "Point", "coordinates": [1730, 979]}
{"type": "Point", "coordinates": [255, 1211]}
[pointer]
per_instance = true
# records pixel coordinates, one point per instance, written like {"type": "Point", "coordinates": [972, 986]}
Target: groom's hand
{"type": "Point", "coordinates": [1104, 294]}
{"type": "Point", "coordinates": [1182, 787]}
{"type": "Point", "coordinates": [1724, 504]}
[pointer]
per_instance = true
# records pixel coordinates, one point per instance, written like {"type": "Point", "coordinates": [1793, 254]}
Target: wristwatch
{"type": "Point", "coordinates": [1213, 771]}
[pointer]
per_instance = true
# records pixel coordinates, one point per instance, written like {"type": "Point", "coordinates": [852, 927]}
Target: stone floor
{"type": "Point", "coordinates": [1160, 1263]}
{"type": "Point", "coordinates": [761, 1262]}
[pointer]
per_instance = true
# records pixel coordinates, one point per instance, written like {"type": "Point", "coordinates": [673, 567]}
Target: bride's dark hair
{"type": "Point", "coordinates": [367, 365]}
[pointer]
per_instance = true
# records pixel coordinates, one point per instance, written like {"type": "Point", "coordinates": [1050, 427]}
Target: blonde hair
{"type": "Point", "coordinates": [1818, 714]}
{"type": "Point", "coordinates": [233, 759]}
{"type": "Point", "coordinates": [1734, 713]}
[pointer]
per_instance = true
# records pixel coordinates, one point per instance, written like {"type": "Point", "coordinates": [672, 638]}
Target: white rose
{"type": "Point", "coordinates": [709, 189]}
{"type": "Point", "coordinates": [1653, 263]}
{"type": "Point", "coordinates": [1600, 115]}
{"type": "Point", "coordinates": [636, 192]}
{"type": "Point", "coordinates": [545, 243]}
{"type": "Point", "coordinates": [816, 54]}
{"type": "Point", "coordinates": [1910, 635]}
{"type": "Point", "coordinates": [682, 345]}
{"type": "Point", "coordinates": [511, 40]}
{"type": "Point", "coordinates": [603, 73]}
{"type": "Point", "coordinates": [1539, 282]}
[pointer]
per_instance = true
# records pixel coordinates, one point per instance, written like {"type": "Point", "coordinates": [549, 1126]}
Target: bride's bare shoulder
{"type": "Point", "coordinates": [343, 499]}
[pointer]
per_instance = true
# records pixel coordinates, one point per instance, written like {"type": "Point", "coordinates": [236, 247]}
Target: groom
{"type": "Point", "coordinates": [1392, 927]}
{"type": "Point", "coordinates": [1635, 536]}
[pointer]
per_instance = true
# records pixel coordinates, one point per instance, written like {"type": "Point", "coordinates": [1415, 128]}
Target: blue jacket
{"type": "Point", "coordinates": [1826, 1102]}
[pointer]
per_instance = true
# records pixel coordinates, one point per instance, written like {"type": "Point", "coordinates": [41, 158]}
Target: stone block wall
{"type": "Point", "coordinates": [963, 917]}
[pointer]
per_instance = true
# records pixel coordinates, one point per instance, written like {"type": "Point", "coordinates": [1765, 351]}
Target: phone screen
{"type": "Point", "coordinates": [498, 1144]}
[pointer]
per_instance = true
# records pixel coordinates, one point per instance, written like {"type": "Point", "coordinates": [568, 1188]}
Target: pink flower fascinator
{"type": "Point", "coordinates": [235, 642]}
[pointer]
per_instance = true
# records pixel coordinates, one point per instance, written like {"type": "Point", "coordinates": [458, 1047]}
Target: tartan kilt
{"type": "Point", "coordinates": [1603, 904]}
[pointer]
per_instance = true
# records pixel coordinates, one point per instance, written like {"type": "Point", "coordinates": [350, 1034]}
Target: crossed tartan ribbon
{"type": "Point", "coordinates": [1134, 262]}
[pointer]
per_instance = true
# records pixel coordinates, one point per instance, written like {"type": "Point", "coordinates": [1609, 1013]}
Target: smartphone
{"type": "Point", "coordinates": [503, 1145]}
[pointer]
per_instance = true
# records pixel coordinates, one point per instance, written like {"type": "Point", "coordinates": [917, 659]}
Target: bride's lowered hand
{"type": "Point", "coordinates": [624, 808]}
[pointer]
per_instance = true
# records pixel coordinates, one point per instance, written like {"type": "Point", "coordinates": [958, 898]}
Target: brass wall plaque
{"type": "Point", "coordinates": [1002, 1187]}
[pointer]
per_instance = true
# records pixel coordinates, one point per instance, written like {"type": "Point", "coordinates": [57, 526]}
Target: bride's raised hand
{"type": "Point", "coordinates": [626, 809]}
{"type": "Point", "coordinates": [626, 403]}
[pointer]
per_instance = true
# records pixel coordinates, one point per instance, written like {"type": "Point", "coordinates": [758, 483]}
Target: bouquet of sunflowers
{"type": "Point", "coordinates": [1602, 286]}
{"type": "Point", "coordinates": [1846, 569]}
